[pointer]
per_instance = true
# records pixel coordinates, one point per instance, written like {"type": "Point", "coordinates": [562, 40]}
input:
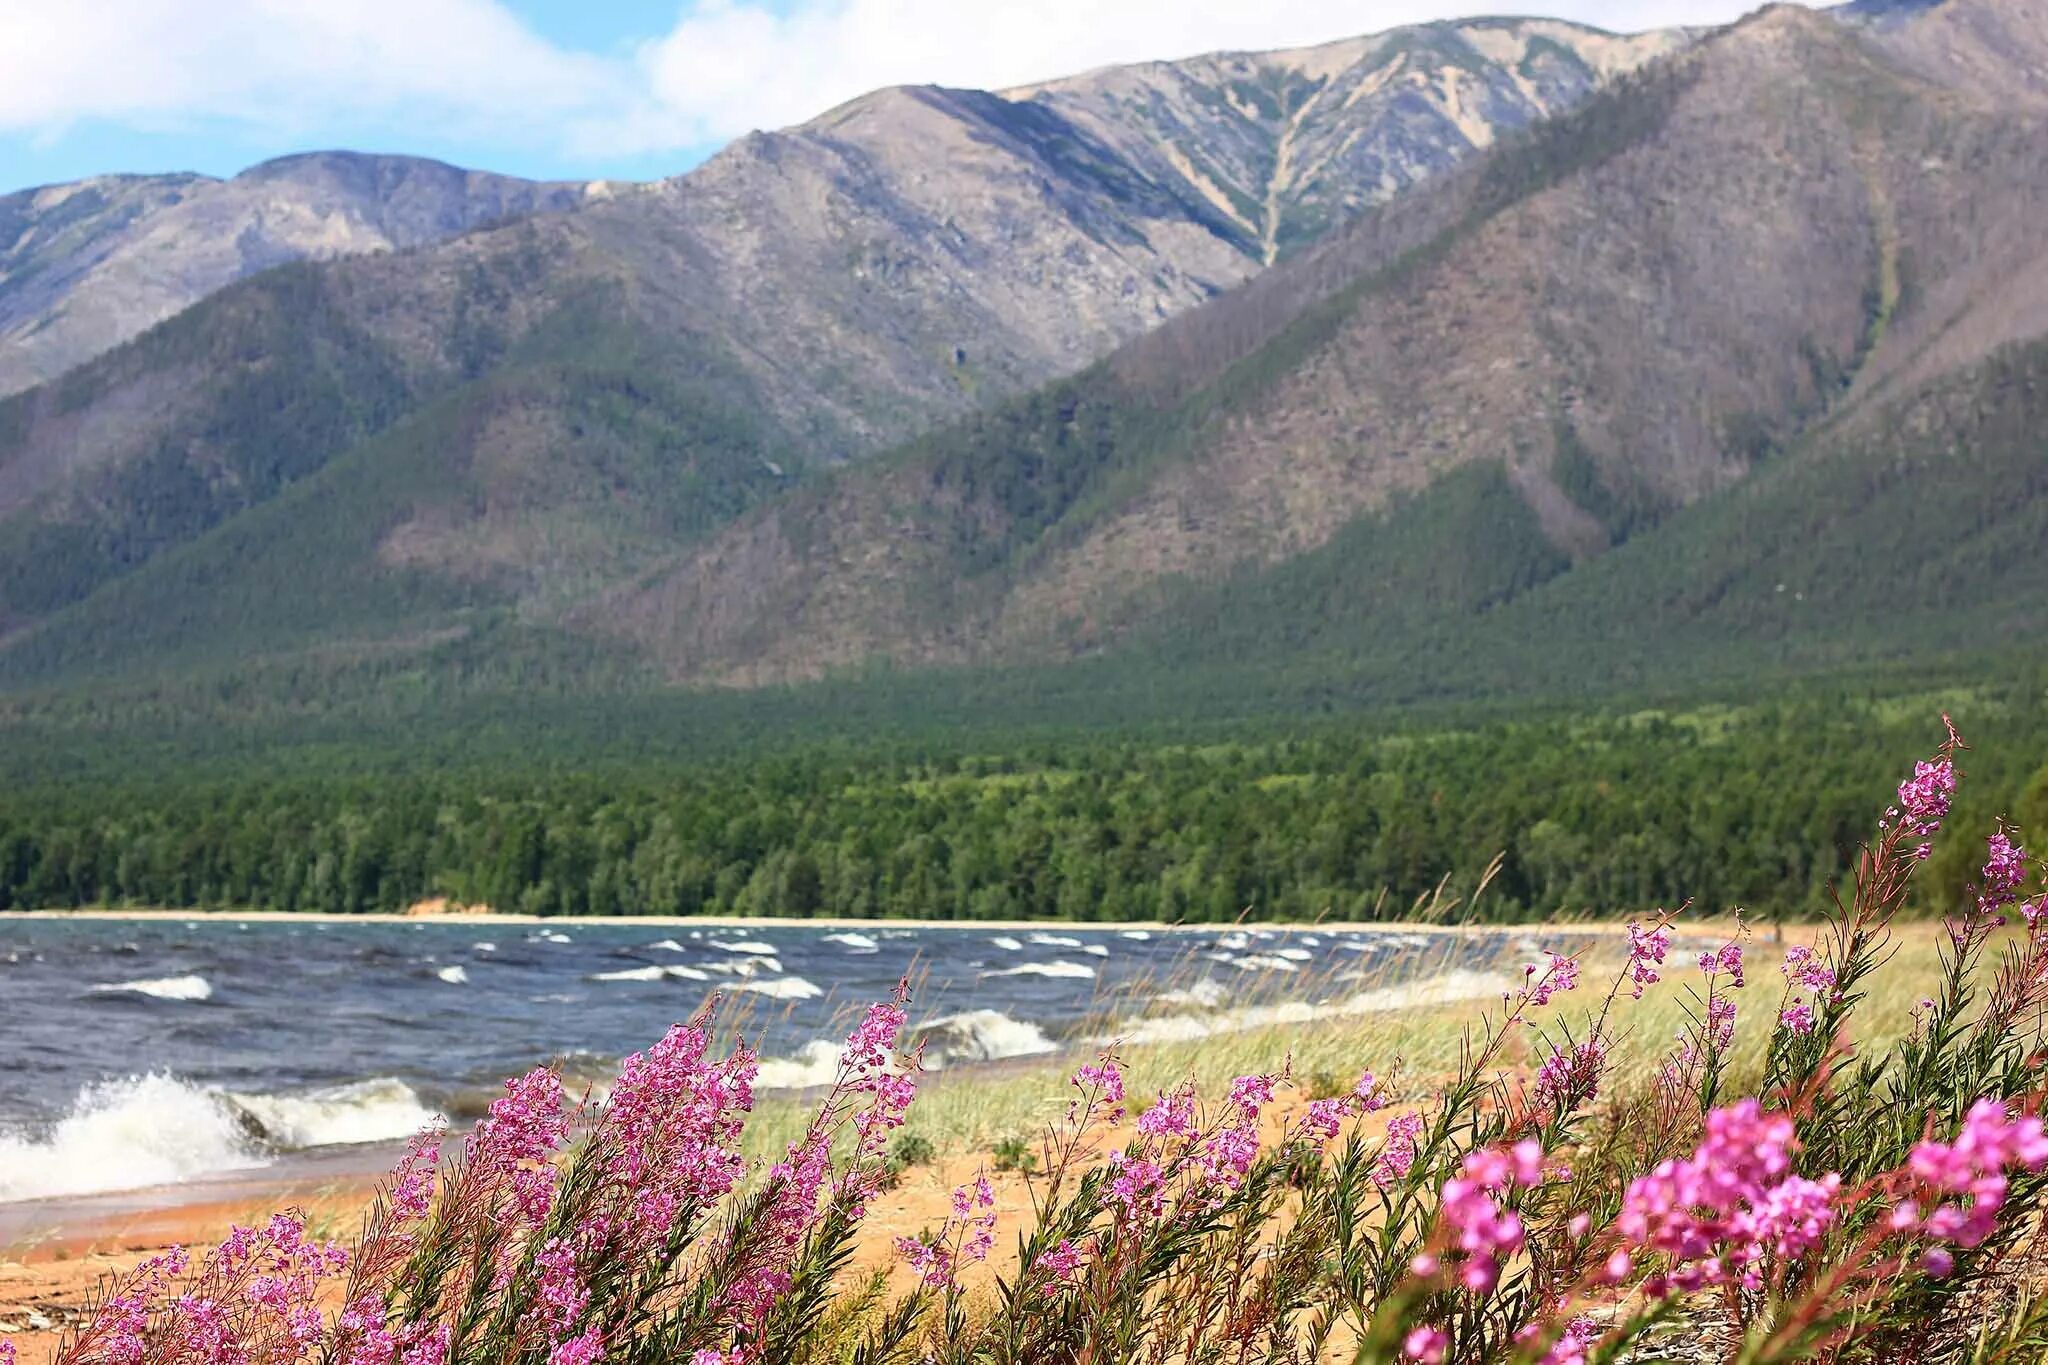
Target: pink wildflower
{"type": "Point", "coordinates": [587, 1349]}
{"type": "Point", "coordinates": [1974, 1165]}
{"type": "Point", "coordinates": [1425, 1345]}
{"type": "Point", "coordinates": [2005, 871]}
{"type": "Point", "coordinates": [1798, 1018]}
{"type": "Point", "coordinates": [1062, 1261]}
{"type": "Point", "coordinates": [1397, 1153]}
{"type": "Point", "coordinates": [1646, 949]}
{"type": "Point", "coordinates": [1734, 1201]}
{"type": "Point", "coordinates": [1925, 796]}
{"type": "Point", "coordinates": [1567, 1080]}
{"type": "Point", "coordinates": [1172, 1117]}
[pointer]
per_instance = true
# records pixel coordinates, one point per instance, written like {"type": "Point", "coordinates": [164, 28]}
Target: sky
{"type": "Point", "coordinates": [579, 89]}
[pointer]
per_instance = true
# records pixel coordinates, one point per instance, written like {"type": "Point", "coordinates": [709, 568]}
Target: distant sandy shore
{"type": "Point", "coordinates": [1691, 923]}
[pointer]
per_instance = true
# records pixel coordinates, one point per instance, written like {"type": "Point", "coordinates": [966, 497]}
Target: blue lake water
{"type": "Point", "coordinates": [148, 1052]}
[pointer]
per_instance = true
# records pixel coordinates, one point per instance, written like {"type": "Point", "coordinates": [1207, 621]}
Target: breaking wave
{"type": "Point", "coordinates": [782, 988]}
{"type": "Point", "coordinates": [1058, 967]}
{"type": "Point", "coordinates": [858, 943]}
{"type": "Point", "coordinates": [815, 1063]}
{"type": "Point", "coordinates": [160, 1130]}
{"type": "Point", "coordinates": [745, 946]}
{"type": "Point", "coordinates": [192, 988]}
{"type": "Point", "coordinates": [454, 976]}
{"type": "Point", "coordinates": [980, 1036]}
{"type": "Point", "coordinates": [674, 971]}
{"type": "Point", "coordinates": [1452, 987]}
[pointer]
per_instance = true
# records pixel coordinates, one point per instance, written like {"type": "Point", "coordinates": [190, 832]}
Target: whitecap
{"type": "Point", "coordinates": [1208, 993]}
{"type": "Point", "coordinates": [1139, 935]}
{"type": "Point", "coordinates": [744, 967]}
{"type": "Point", "coordinates": [1056, 968]}
{"type": "Point", "coordinates": [782, 988]}
{"type": "Point", "coordinates": [1451, 987]}
{"type": "Point", "coordinates": [1095, 950]}
{"type": "Point", "coordinates": [1235, 943]}
{"type": "Point", "coordinates": [816, 1063]}
{"type": "Point", "coordinates": [190, 988]}
{"type": "Point", "coordinates": [667, 945]}
{"type": "Point", "coordinates": [454, 976]}
{"type": "Point", "coordinates": [376, 1110]}
{"type": "Point", "coordinates": [852, 942]}
{"type": "Point", "coordinates": [1054, 941]}
{"type": "Point", "coordinates": [980, 1036]}
{"type": "Point", "coordinates": [1311, 941]}
{"type": "Point", "coordinates": [124, 1135]}
{"type": "Point", "coordinates": [754, 946]}
{"type": "Point", "coordinates": [674, 971]}
{"type": "Point", "coordinates": [1262, 962]}
{"type": "Point", "coordinates": [654, 973]}
{"type": "Point", "coordinates": [1295, 954]}
{"type": "Point", "coordinates": [484, 947]}
{"type": "Point", "coordinates": [1008, 944]}
{"type": "Point", "coordinates": [548, 936]}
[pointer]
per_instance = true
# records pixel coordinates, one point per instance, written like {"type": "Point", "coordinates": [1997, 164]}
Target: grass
{"type": "Point", "coordinates": [969, 1113]}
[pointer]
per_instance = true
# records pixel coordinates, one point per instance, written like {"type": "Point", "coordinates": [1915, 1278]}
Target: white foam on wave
{"type": "Point", "coordinates": [1060, 967]}
{"type": "Point", "coordinates": [1054, 941]}
{"type": "Point", "coordinates": [743, 967]}
{"type": "Point", "coordinates": [1095, 950]}
{"type": "Point", "coordinates": [1208, 994]}
{"type": "Point", "coordinates": [484, 947]}
{"type": "Point", "coordinates": [1295, 954]}
{"type": "Point", "coordinates": [745, 945]}
{"type": "Point", "coordinates": [1139, 935]}
{"type": "Point", "coordinates": [782, 988]}
{"type": "Point", "coordinates": [157, 1129]}
{"type": "Point", "coordinates": [126, 1134]}
{"type": "Point", "coordinates": [1449, 988]}
{"type": "Point", "coordinates": [189, 988]}
{"type": "Point", "coordinates": [1234, 943]}
{"type": "Point", "coordinates": [1262, 962]}
{"type": "Point", "coordinates": [548, 936]}
{"type": "Point", "coordinates": [656, 972]}
{"type": "Point", "coordinates": [1008, 944]}
{"type": "Point", "coordinates": [454, 976]}
{"type": "Point", "coordinates": [1311, 941]}
{"type": "Point", "coordinates": [852, 942]}
{"type": "Point", "coordinates": [667, 945]}
{"type": "Point", "coordinates": [980, 1036]}
{"type": "Point", "coordinates": [816, 1063]}
{"type": "Point", "coordinates": [377, 1110]}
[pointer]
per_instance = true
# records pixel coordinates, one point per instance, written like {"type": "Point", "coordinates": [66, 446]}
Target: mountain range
{"type": "Point", "coordinates": [1495, 354]}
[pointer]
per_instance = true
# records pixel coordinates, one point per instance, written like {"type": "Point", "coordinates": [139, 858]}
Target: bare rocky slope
{"type": "Point", "coordinates": [576, 393]}
{"type": "Point", "coordinates": [1741, 358]}
{"type": "Point", "coordinates": [87, 265]}
{"type": "Point", "coordinates": [1782, 237]}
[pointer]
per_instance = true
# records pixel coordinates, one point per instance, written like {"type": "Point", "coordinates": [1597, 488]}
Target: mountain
{"type": "Point", "coordinates": [1806, 244]}
{"type": "Point", "coordinates": [1735, 367]}
{"type": "Point", "coordinates": [87, 265]}
{"type": "Point", "coordinates": [526, 415]}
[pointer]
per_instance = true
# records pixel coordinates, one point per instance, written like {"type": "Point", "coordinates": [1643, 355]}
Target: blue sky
{"type": "Point", "coordinates": [625, 89]}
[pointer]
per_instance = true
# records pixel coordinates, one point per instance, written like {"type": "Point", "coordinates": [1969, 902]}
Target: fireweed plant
{"type": "Point", "coordinates": [1839, 1205]}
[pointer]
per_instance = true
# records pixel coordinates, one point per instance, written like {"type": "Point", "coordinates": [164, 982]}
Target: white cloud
{"type": "Point", "coordinates": [473, 68]}
{"type": "Point", "coordinates": [153, 63]}
{"type": "Point", "coordinates": [731, 65]}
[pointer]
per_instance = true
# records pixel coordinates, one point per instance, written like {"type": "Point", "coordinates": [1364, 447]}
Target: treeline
{"type": "Point", "coordinates": [1613, 814]}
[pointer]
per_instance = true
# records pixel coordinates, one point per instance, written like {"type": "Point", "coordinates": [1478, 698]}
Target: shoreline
{"type": "Point", "coordinates": [1589, 926]}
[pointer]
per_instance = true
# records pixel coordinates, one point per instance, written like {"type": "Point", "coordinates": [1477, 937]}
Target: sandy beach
{"type": "Point", "coordinates": [53, 1255]}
